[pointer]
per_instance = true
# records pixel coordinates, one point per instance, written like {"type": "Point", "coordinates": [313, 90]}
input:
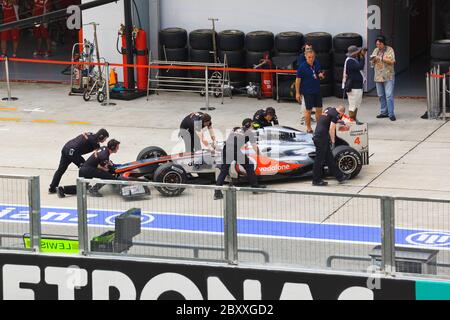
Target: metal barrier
{"type": "Point", "coordinates": [19, 211]}
{"type": "Point", "coordinates": [289, 228]}
{"type": "Point", "coordinates": [277, 227]}
{"type": "Point", "coordinates": [169, 227]}
{"type": "Point", "coordinates": [8, 83]}
{"type": "Point", "coordinates": [437, 84]}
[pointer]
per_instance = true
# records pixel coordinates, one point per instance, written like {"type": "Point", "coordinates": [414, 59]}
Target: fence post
{"type": "Point", "coordinates": [8, 84]}
{"type": "Point", "coordinates": [444, 96]}
{"type": "Point", "coordinates": [107, 102]}
{"type": "Point", "coordinates": [34, 213]}
{"type": "Point", "coordinates": [230, 226]}
{"type": "Point", "coordinates": [388, 235]}
{"type": "Point", "coordinates": [82, 216]}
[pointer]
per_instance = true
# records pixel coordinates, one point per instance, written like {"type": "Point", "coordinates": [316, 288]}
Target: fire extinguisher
{"type": "Point", "coordinates": [124, 54]}
{"type": "Point", "coordinates": [141, 58]}
{"type": "Point", "coordinates": [266, 77]}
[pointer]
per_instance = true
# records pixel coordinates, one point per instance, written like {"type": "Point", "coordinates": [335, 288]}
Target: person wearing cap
{"type": "Point", "coordinates": [265, 118]}
{"type": "Point", "coordinates": [307, 84]}
{"type": "Point", "coordinates": [232, 151]}
{"type": "Point", "coordinates": [383, 61]}
{"type": "Point", "coordinates": [353, 79]}
{"type": "Point", "coordinates": [191, 131]}
{"type": "Point", "coordinates": [73, 151]}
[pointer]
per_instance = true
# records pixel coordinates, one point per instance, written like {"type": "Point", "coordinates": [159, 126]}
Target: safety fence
{"type": "Point", "coordinates": [438, 93]}
{"type": "Point", "coordinates": [20, 200]}
{"type": "Point", "coordinates": [283, 228]}
{"type": "Point", "coordinates": [343, 232]}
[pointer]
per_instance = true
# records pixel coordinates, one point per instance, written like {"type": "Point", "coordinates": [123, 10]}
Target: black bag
{"type": "Point", "coordinates": [348, 84]}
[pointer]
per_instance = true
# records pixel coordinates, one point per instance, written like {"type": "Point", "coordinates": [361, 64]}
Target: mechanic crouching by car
{"type": "Point", "coordinates": [232, 152]}
{"type": "Point", "coordinates": [99, 166]}
{"type": "Point", "coordinates": [191, 131]}
{"type": "Point", "coordinates": [72, 153]}
{"type": "Point", "coordinates": [265, 118]}
{"type": "Point", "coordinates": [324, 139]}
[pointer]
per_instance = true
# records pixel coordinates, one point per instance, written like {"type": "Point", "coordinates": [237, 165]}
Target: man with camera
{"type": "Point", "coordinates": [383, 61]}
{"type": "Point", "coordinates": [353, 79]}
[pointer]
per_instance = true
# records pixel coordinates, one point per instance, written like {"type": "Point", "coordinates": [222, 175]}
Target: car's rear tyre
{"type": "Point", "coordinates": [170, 173]}
{"type": "Point", "coordinates": [348, 160]}
{"type": "Point", "coordinates": [151, 152]}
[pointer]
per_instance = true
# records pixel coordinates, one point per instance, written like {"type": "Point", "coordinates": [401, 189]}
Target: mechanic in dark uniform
{"type": "Point", "coordinates": [191, 131]}
{"type": "Point", "coordinates": [72, 153]}
{"type": "Point", "coordinates": [232, 152]}
{"type": "Point", "coordinates": [99, 166]}
{"type": "Point", "coordinates": [265, 118]}
{"type": "Point", "coordinates": [324, 139]}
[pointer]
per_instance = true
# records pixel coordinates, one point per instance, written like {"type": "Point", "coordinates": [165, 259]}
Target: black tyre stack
{"type": "Point", "coordinates": [201, 47]}
{"type": "Point", "coordinates": [440, 54]}
{"type": "Point", "coordinates": [257, 43]}
{"type": "Point", "coordinates": [231, 43]}
{"type": "Point", "coordinates": [173, 47]}
{"type": "Point", "coordinates": [322, 43]}
{"type": "Point", "coordinates": [341, 42]}
{"type": "Point", "coordinates": [288, 44]}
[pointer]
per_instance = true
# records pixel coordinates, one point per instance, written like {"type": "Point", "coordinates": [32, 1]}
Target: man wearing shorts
{"type": "Point", "coordinates": [9, 8]}
{"type": "Point", "coordinates": [308, 85]}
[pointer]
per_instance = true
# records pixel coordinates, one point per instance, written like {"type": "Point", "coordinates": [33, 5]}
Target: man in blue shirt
{"type": "Point", "coordinates": [308, 85]}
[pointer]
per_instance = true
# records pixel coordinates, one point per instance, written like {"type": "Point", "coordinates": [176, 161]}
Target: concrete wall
{"type": "Point", "coordinates": [333, 16]}
{"type": "Point", "coordinates": [109, 17]}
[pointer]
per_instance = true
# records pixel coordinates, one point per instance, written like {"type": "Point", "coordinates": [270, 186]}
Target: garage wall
{"type": "Point", "coordinates": [109, 17]}
{"type": "Point", "coordinates": [333, 16]}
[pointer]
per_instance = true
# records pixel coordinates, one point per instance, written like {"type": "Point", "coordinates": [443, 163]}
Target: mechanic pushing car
{"type": "Point", "coordinates": [235, 141]}
{"type": "Point", "coordinates": [265, 118]}
{"type": "Point", "coordinates": [97, 165]}
{"type": "Point", "coordinates": [191, 131]}
{"type": "Point", "coordinates": [324, 139]}
{"type": "Point", "coordinates": [73, 150]}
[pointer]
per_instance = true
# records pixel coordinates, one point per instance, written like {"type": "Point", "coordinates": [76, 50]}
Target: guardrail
{"type": "Point", "coordinates": [286, 227]}
{"type": "Point", "coordinates": [21, 192]}
{"type": "Point", "coordinates": [283, 227]}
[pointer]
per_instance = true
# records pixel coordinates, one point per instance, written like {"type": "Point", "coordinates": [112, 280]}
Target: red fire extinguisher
{"type": "Point", "coordinates": [124, 55]}
{"type": "Point", "coordinates": [266, 77]}
{"type": "Point", "coordinates": [141, 59]}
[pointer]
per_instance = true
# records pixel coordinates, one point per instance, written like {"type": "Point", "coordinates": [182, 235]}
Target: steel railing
{"type": "Point", "coordinates": [284, 227]}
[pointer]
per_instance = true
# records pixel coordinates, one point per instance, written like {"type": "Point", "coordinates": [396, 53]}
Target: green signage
{"type": "Point", "coordinates": [55, 245]}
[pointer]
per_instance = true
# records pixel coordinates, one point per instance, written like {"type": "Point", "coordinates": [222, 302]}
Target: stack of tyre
{"type": "Point", "coordinates": [288, 44]}
{"type": "Point", "coordinates": [341, 42]}
{"type": "Point", "coordinates": [231, 45]}
{"type": "Point", "coordinates": [257, 43]}
{"type": "Point", "coordinates": [440, 57]}
{"type": "Point", "coordinates": [322, 43]}
{"type": "Point", "coordinates": [440, 54]}
{"type": "Point", "coordinates": [173, 47]}
{"type": "Point", "coordinates": [201, 49]}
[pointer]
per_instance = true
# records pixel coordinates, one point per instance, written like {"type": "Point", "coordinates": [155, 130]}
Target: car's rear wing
{"type": "Point", "coordinates": [357, 137]}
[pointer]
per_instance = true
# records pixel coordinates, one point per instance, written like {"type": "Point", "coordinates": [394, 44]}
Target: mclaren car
{"type": "Point", "coordinates": [285, 153]}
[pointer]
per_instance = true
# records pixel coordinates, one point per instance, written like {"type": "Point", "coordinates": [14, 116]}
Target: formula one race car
{"type": "Point", "coordinates": [285, 153]}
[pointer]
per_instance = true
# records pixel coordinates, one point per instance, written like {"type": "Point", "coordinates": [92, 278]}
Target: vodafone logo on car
{"type": "Point", "coordinates": [274, 168]}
